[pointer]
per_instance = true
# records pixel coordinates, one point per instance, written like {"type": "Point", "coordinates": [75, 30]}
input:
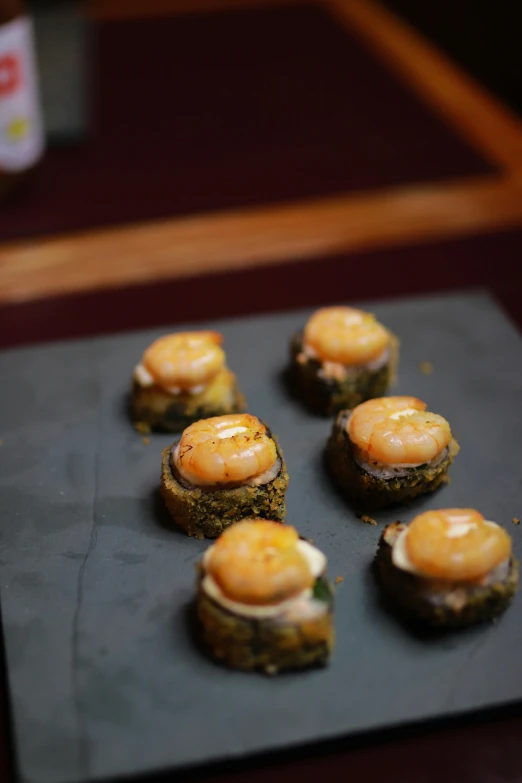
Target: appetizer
{"type": "Point", "coordinates": [221, 470]}
{"type": "Point", "coordinates": [448, 568]}
{"type": "Point", "coordinates": [263, 601]}
{"type": "Point", "coordinates": [343, 357]}
{"type": "Point", "coordinates": [181, 378]}
{"type": "Point", "coordinates": [390, 450]}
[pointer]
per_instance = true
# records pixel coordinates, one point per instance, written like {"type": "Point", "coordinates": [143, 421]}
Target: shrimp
{"type": "Point", "coordinates": [456, 544]}
{"type": "Point", "coordinates": [231, 448]}
{"type": "Point", "coordinates": [398, 431]}
{"type": "Point", "coordinates": [258, 562]}
{"type": "Point", "coordinates": [345, 335]}
{"type": "Point", "coordinates": [185, 359]}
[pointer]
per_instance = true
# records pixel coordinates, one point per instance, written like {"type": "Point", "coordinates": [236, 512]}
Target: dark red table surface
{"type": "Point", "coordinates": [487, 749]}
{"type": "Point", "coordinates": [491, 260]}
{"type": "Point", "coordinates": [210, 111]}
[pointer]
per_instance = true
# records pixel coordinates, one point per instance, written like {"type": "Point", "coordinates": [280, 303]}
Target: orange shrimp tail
{"type": "Point", "coordinates": [258, 563]}
{"type": "Point", "coordinates": [456, 544]}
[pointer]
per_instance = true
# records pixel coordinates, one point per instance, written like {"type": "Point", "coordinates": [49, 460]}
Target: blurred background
{"type": "Point", "coordinates": [482, 37]}
{"type": "Point", "coordinates": [168, 161]}
{"type": "Point", "coordinates": [190, 137]}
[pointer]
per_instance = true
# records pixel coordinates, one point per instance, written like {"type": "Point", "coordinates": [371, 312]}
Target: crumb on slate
{"type": "Point", "coordinates": [142, 427]}
{"type": "Point", "coordinates": [310, 540]}
{"type": "Point", "coordinates": [145, 441]}
{"type": "Point", "coordinates": [339, 579]}
{"type": "Point", "coordinates": [516, 521]}
{"type": "Point", "coordinates": [369, 520]}
{"type": "Point", "coordinates": [426, 368]}
{"type": "Point", "coordinates": [1, 441]}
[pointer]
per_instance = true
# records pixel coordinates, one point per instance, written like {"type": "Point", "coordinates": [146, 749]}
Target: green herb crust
{"type": "Point", "coordinates": [206, 513]}
{"type": "Point", "coordinates": [162, 411]}
{"type": "Point", "coordinates": [422, 600]}
{"type": "Point", "coordinates": [327, 396]}
{"type": "Point", "coordinates": [271, 644]}
{"type": "Point", "coordinates": [370, 492]}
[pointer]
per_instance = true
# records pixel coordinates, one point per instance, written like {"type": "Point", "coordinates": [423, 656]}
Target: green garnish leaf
{"type": "Point", "coordinates": [321, 591]}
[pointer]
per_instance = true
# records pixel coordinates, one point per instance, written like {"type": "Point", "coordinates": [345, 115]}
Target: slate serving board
{"type": "Point", "coordinates": [104, 677]}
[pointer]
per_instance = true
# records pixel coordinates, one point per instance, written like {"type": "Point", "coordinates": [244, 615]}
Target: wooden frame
{"type": "Point", "coordinates": [193, 245]}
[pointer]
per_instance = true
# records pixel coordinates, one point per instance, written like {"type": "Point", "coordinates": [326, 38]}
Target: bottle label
{"type": "Point", "coordinates": [21, 132]}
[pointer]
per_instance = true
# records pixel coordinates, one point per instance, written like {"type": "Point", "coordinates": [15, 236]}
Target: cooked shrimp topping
{"type": "Point", "coordinates": [225, 449]}
{"type": "Point", "coordinates": [185, 359]}
{"type": "Point", "coordinates": [345, 335]}
{"type": "Point", "coordinates": [398, 431]}
{"type": "Point", "coordinates": [456, 544]}
{"type": "Point", "coordinates": [258, 562]}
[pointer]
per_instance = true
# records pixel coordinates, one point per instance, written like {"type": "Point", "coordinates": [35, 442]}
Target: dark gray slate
{"type": "Point", "coordinates": [103, 675]}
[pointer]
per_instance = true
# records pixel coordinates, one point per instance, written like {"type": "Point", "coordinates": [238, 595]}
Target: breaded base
{"type": "Point", "coordinates": [153, 406]}
{"type": "Point", "coordinates": [206, 513]}
{"type": "Point", "coordinates": [327, 396]}
{"type": "Point", "coordinates": [422, 600]}
{"type": "Point", "coordinates": [370, 492]}
{"type": "Point", "coordinates": [270, 645]}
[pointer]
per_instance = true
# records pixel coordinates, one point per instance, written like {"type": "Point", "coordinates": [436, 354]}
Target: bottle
{"type": "Point", "coordinates": [21, 131]}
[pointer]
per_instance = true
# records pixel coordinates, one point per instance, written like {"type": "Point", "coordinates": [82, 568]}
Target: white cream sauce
{"type": "Point", "coordinates": [145, 379]}
{"type": "Point", "coordinates": [339, 371]}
